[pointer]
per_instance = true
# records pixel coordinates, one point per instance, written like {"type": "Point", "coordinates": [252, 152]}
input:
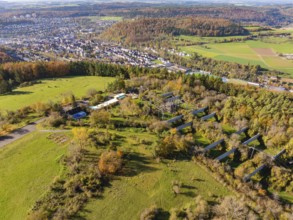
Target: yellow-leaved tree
{"type": "Point", "coordinates": [81, 136]}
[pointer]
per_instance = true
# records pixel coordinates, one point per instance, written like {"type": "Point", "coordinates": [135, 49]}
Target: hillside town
{"type": "Point", "coordinates": [30, 38]}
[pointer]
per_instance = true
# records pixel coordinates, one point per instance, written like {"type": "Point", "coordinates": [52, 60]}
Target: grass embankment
{"type": "Point", "coordinates": [27, 169]}
{"type": "Point", "coordinates": [52, 89]}
{"type": "Point", "coordinates": [149, 182]}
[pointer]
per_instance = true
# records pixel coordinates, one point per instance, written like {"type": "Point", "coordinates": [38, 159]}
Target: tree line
{"type": "Point", "coordinates": [13, 75]}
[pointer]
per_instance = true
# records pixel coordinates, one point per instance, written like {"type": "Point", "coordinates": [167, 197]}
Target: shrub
{"type": "Point", "coordinates": [55, 120]}
{"type": "Point", "coordinates": [231, 208]}
{"type": "Point", "coordinates": [100, 118]}
{"type": "Point", "coordinates": [110, 162]}
{"type": "Point", "coordinates": [159, 126]}
{"type": "Point", "coordinates": [96, 99]}
{"type": "Point", "coordinates": [166, 147]}
{"type": "Point", "coordinates": [149, 213]}
{"type": "Point", "coordinates": [92, 92]}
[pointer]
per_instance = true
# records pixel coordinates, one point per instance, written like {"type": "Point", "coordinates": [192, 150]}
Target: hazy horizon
{"type": "Point", "coordinates": [200, 1]}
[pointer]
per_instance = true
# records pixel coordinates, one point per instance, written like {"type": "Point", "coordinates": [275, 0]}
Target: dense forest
{"type": "Point", "coordinates": [265, 16]}
{"type": "Point", "coordinates": [148, 29]}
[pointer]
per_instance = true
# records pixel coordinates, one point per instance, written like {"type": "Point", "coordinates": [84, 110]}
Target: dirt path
{"type": "Point", "coordinates": [19, 133]}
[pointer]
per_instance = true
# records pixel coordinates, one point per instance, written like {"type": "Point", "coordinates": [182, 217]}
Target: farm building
{"type": "Point", "coordinates": [110, 102]}
{"type": "Point", "coordinates": [76, 113]}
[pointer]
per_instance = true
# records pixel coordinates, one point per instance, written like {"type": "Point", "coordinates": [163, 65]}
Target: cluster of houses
{"type": "Point", "coordinates": [120, 55]}
{"type": "Point", "coordinates": [32, 38]}
{"type": "Point", "coordinates": [36, 38]}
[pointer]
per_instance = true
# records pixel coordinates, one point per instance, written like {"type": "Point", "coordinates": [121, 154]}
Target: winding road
{"type": "Point", "coordinates": [19, 133]}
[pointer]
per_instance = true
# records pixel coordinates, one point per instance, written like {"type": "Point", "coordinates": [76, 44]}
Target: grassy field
{"type": "Point", "coordinates": [52, 89]}
{"type": "Point", "coordinates": [196, 39]}
{"type": "Point", "coordinates": [104, 18]}
{"type": "Point", "coordinates": [150, 182]}
{"type": "Point", "coordinates": [27, 168]}
{"type": "Point", "coordinates": [111, 18]}
{"type": "Point", "coordinates": [258, 52]}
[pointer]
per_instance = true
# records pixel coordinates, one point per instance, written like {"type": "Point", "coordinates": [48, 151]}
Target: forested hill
{"type": "Point", "coordinates": [4, 57]}
{"type": "Point", "coordinates": [148, 29]}
{"type": "Point", "coordinates": [271, 16]}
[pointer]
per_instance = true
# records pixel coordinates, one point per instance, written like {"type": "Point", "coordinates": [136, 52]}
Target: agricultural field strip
{"type": "Point", "coordinates": [249, 51]}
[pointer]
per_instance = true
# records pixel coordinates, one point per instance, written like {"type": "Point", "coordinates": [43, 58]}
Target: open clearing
{"type": "Point", "coordinates": [52, 89]}
{"type": "Point", "coordinates": [129, 196]}
{"type": "Point", "coordinates": [264, 53]}
{"type": "Point", "coordinates": [150, 182]}
{"type": "Point", "coordinates": [27, 169]}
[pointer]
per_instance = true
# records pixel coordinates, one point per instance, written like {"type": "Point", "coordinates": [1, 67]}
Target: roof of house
{"type": "Point", "coordinates": [79, 115]}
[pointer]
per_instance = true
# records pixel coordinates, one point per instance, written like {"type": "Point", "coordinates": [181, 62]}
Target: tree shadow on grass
{"type": "Point", "coordinates": [20, 93]}
{"type": "Point", "coordinates": [212, 203]}
{"type": "Point", "coordinates": [188, 187]}
{"type": "Point", "coordinates": [190, 194]}
{"type": "Point", "coordinates": [119, 140]}
{"type": "Point", "coordinates": [163, 215]}
{"type": "Point", "coordinates": [5, 137]}
{"type": "Point", "coordinates": [198, 180]}
{"type": "Point", "coordinates": [136, 164]}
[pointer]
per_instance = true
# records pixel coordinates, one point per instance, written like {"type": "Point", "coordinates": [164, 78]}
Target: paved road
{"type": "Point", "coordinates": [19, 133]}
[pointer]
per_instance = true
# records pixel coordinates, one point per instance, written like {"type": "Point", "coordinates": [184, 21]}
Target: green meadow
{"type": "Point", "coordinates": [150, 182]}
{"type": "Point", "coordinates": [27, 169]}
{"type": "Point", "coordinates": [111, 18]}
{"type": "Point", "coordinates": [52, 89]}
{"type": "Point", "coordinates": [129, 196]}
{"type": "Point", "coordinates": [104, 18]}
{"type": "Point", "coordinates": [29, 166]}
{"type": "Point", "coordinates": [263, 52]}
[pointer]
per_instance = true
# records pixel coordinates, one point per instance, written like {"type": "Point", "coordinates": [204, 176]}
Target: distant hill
{"type": "Point", "coordinates": [149, 29]}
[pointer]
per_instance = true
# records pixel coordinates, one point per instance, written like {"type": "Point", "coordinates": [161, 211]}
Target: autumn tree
{"type": "Point", "coordinates": [165, 147]}
{"type": "Point", "coordinates": [198, 209]}
{"type": "Point", "coordinates": [69, 99]}
{"type": "Point", "coordinates": [129, 107]}
{"type": "Point", "coordinates": [100, 118]}
{"type": "Point", "coordinates": [39, 107]}
{"type": "Point", "coordinates": [159, 126]}
{"type": "Point", "coordinates": [55, 119]}
{"type": "Point", "coordinates": [110, 162]}
{"type": "Point", "coordinates": [80, 136]}
{"type": "Point", "coordinates": [231, 208]}
{"type": "Point", "coordinates": [149, 213]}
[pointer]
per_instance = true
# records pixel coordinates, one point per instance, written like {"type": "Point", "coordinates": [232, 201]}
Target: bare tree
{"type": "Point", "coordinates": [231, 208]}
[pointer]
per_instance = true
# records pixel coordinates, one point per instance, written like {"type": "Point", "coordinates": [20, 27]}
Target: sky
{"type": "Point", "coordinates": [176, 1]}
{"type": "Point", "coordinates": [269, 1]}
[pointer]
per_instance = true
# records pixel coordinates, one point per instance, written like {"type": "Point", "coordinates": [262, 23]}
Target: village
{"type": "Point", "coordinates": [30, 38]}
